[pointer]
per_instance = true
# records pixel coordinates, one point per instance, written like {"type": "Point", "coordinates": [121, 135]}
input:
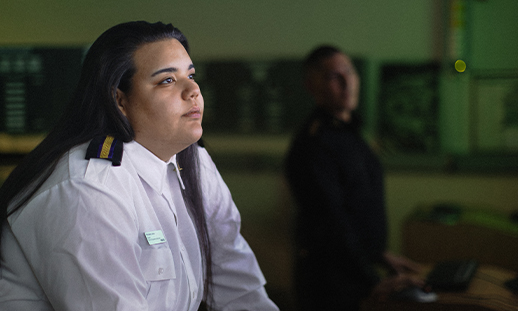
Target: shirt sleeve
{"type": "Point", "coordinates": [238, 280]}
{"type": "Point", "coordinates": [81, 243]}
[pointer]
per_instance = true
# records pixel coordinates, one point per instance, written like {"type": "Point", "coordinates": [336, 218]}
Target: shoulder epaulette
{"type": "Point", "coordinates": [105, 147]}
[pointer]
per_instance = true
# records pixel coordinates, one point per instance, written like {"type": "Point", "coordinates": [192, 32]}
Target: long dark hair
{"type": "Point", "coordinates": [93, 111]}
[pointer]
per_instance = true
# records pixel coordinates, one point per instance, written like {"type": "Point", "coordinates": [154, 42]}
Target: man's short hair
{"type": "Point", "coordinates": [317, 55]}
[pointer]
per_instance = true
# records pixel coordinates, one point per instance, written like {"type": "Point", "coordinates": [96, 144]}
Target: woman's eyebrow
{"type": "Point", "coordinates": [170, 69]}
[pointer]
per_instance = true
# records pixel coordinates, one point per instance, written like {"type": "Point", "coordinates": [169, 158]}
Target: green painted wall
{"type": "Point", "coordinates": [494, 34]}
{"type": "Point", "coordinates": [487, 41]}
{"type": "Point", "coordinates": [236, 28]}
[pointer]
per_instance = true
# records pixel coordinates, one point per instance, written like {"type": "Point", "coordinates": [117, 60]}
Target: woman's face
{"type": "Point", "coordinates": [164, 105]}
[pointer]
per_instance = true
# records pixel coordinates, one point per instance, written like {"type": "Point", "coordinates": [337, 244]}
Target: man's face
{"type": "Point", "coordinates": [335, 85]}
{"type": "Point", "coordinates": [164, 105]}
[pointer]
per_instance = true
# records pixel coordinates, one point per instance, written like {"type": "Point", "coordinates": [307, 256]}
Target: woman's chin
{"type": "Point", "coordinates": [196, 135]}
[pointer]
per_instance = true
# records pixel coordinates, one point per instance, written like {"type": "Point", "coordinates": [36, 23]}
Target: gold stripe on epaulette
{"type": "Point", "coordinates": [105, 151]}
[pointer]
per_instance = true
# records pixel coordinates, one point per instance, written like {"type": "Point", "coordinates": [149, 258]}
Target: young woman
{"type": "Point", "coordinates": [120, 208]}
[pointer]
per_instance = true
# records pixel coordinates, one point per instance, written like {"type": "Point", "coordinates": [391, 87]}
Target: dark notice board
{"type": "Point", "coordinates": [408, 107]}
{"type": "Point", "coordinates": [241, 96]}
{"type": "Point", "coordinates": [255, 97]}
{"type": "Point", "coordinates": [35, 85]}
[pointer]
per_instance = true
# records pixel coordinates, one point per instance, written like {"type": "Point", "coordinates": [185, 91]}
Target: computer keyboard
{"type": "Point", "coordinates": [454, 275]}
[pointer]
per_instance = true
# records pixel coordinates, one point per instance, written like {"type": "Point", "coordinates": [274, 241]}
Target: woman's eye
{"type": "Point", "coordinates": [191, 76]}
{"type": "Point", "coordinates": [168, 80]}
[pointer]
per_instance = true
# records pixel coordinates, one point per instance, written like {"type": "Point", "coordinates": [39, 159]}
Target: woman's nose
{"type": "Point", "coordinates": [191, 90]}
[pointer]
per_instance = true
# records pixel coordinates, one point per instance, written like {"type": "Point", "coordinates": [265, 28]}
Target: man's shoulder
{"type": "Point", "coordinates": [316, 130]}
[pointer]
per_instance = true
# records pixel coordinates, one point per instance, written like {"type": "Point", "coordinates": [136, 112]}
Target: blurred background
{"type": "Point", "coordinates": [446, 137]}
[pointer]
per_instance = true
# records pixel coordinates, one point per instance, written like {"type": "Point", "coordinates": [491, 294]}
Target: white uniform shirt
{"type": "Point", "coordinates": [80, 243]}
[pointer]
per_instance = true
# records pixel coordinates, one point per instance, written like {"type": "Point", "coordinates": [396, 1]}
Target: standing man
{"type": "Point", "coordinates": [337, 183]}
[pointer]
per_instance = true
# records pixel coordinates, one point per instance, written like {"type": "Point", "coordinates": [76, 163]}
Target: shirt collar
{"type": "Point", "coordinates": [148, 166]}
{"type": "Point", "coordinates": [328, 119]}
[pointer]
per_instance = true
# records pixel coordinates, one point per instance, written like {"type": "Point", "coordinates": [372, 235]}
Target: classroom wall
{"type": "Point", "coordinates": [377, 30]}
{"type": "Point", "coordinates": [237, 28]}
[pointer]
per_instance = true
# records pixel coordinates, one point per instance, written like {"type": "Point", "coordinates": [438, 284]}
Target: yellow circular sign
{"type": "Point", "coordinates": [460, 65]}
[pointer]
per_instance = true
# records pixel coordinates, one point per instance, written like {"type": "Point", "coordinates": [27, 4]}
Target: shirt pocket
{"type": "Point", "coordinates": [157, 264]}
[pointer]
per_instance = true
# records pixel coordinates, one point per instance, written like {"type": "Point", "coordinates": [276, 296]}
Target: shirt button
{"type": "Point", "coordinates": [160, 270]}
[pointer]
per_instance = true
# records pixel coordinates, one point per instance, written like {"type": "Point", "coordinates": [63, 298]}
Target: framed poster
{"type": "Point", "coordinates": [408, 108]}
{"type": "Point", "coordinates": [494, 102]}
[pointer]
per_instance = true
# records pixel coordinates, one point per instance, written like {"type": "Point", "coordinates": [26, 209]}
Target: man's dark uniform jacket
{"type": "Point", "coordinates": [337, 183]}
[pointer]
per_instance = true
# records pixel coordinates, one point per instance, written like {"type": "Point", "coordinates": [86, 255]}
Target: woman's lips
{"type": "Point", "coordinates": [193, 113]}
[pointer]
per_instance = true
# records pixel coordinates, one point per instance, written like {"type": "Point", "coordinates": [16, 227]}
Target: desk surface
{"type": "Point", "coordinates": [486, 292]}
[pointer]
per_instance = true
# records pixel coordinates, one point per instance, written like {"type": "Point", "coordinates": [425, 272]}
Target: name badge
{"type": "Point", "coordinates": [155, 237]}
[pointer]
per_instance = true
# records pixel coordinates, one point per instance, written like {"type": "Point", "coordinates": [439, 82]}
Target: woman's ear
{"type": "Point", "coordinates": [122, 101]}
